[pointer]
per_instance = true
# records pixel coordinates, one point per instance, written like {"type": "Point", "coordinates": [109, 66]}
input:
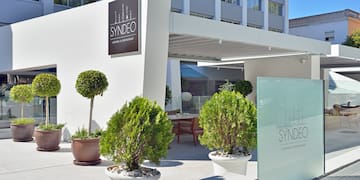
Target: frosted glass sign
{"type": "Point", "coordinates": [290, 128]}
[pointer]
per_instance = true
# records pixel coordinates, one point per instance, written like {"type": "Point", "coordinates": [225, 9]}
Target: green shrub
{"type": "Point", "coordinates": [229, 122]}
{"type": "Point", "coordinates": [244, 87]}
{"type": "Point", "coordinates": [22, 121]}
{"type": "Point", "coordinates": [46, 85]}
{"type": "Point", "coordinates": [21, 94]}
{"type": "Point", "coordinates": [168, 95]}
{"type": "Point", "coordinates": [353, 40]}
{"type": "Point", "coordinates": [49, 127]}
{"type": "Point", "coordinates": [90, 84]}
{"type": "Point", "coordinates": [140, 130]}
{"type": "Point", "coordinates": [84, 134]}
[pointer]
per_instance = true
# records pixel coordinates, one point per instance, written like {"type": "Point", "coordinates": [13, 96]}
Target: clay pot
{"type": "Point", "coordinates": [86, 151]}
{"type": "Point", "coordinates": [48, 140]}
{"type": "Point", "coordinates": [22, 133]}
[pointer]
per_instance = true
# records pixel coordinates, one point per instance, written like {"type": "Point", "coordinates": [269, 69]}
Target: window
{"type": "Point", "coordinates": [275, 8]}
{"type": "Point", "coordinates": [231, 1]}
{"type": "Point", "coordinates": [254, 4]}
{"type": "Point", "coordinates": [330, 36]}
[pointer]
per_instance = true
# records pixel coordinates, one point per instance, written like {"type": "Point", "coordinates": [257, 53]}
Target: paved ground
{"type": "Point", "coordinates": [351, 172]}
{"type": "Point", "coordinates": [21, 161]}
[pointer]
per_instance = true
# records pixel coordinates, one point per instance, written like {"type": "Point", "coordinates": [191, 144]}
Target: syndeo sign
{"type": "Point", "coordinates": [290, 128]}
{"type": "Point", "coordinates": [124, 26]}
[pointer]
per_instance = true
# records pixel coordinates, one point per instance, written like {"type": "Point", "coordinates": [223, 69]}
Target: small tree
{"type": "Point", "coordinates": [244, 87]}
{"type": "Point", "coordinates": [353, 40]}
{"type": "Point", "coordinates": [168, 95]}
{"type": "Point", "coordinates": [89, 84]}
{"type": "Point", "coordinates": [229, 122]}
{"type": "Point", "coordinates": [140, 130]}
{"type": "Point", "coordinates": [21, 94]}
{"type": "Point", "coordinates": [46, 85]}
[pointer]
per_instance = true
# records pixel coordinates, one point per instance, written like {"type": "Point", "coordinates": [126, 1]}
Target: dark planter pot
{"type": "Point", "coordinates": [47, 140]}
{"type": "Point", "coordinates": [22, 133]}
{"type": "Point", "coordinates": [86, 152]}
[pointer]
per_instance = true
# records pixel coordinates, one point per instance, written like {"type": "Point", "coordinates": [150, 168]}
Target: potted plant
{"type": "Point", "coordinates": [22, 129]}
{"type": "Point", "coordinates": [229, 123]}
{"type": "Point", "coordinates": [47, 136]}
{"type": "Point", "coordinates": [139, 130]}
{"type": "Point", "coordinates": [85, 144]}
{"type": "Point", "coordinates": [244, 87]}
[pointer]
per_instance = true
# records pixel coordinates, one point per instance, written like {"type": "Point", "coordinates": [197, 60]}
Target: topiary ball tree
{"type": "Point", "coordinates": [229, 122]}
{"type": "Point", "coordinates": [244, 87]}
{"type": "Point", "coordinates": [168, 95]}
{"type": "Point", "coordinates": [140, 130]}
{"type": "Point", "coordinates": [46, 85]}
{"type": "Point", "coordinates": [21, 94]}
{"type": "Point", "coordinates": [90, 84]}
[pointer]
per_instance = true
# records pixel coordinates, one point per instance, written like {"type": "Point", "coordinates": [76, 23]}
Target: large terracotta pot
{"type": "Point", "coordinates": [235, 164]}
{"type": "Point", "coordinates": [48, 140]}
{"type": "Point", "coordinates": [22, 133]}
{"type": "Point", "coordinates": [86, 151]}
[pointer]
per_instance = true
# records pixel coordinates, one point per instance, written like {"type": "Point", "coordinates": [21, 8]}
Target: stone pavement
{"type": "Point", "coordinates": [20, 160]}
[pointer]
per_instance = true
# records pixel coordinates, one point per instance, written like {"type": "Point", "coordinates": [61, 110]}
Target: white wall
{"type": "Point", "coordinates": [306, 67]}
{"type": "Point", "coordinates": [317, 31]}
{"type": "Point", "coordinates": [77, 40]}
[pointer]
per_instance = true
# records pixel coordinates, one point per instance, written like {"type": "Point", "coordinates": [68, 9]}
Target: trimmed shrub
{"type": "Point", "coordinates": [90, 84]}
{"type": "Point", "coordinates": [46, 85]}
{"type": "Point", "coordinates": [168, 95]}
{"type": "Point", "coordinates": [139, 130]}
{"type": "Point", "coordinates": [21, 94]}
{"type": "Point", "coordinates": [229, 122]}
{"type": "Point", "coordinates": [244, 87]}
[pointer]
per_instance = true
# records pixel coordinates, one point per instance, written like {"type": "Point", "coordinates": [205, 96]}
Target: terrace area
{"type": "Point", "coordinates": [22, 161]}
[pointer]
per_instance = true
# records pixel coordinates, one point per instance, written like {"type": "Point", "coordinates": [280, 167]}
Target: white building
{"type": "Point", "coordinates": [333, 27]}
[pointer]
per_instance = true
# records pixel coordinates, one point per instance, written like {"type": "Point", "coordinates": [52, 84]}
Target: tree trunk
{"type": "Point", "coordinates": [91, 110]}
{"type": "Point", "coordinates": [22, 110]}
{"type": "Point", "coordinates": [47, 110]}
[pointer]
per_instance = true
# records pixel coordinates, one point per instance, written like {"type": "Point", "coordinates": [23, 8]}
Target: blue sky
{"type": "Point", "coordinates": [300, 8]}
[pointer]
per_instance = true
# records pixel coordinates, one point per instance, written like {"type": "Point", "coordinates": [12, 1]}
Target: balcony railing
{"type": "Point", "coordinates": [229, 13]}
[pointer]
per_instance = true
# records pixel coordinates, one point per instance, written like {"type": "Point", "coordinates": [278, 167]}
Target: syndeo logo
{"type": "Point", "coordinates": [124, 26]}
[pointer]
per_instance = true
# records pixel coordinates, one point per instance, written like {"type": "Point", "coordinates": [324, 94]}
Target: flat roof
{"type": "Point", "coordinates": [194, 37]}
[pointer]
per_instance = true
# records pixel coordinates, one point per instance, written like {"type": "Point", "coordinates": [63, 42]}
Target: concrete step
{"type": "Point", "coordinates": [5, 133]}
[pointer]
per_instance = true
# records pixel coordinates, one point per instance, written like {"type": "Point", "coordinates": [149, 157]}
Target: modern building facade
{"type": "Point", "coordinates": [176, 43]}
{"type": "Point", "coordinates": [333, 27]}
{"type": "Point", "coordinates": [14, 11]}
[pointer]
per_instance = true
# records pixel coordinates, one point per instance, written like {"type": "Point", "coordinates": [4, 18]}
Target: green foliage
{"type": "Point", "coordinates": [244, 87]}
{"type": "Point", "coordinates": [49, 127]}
{"type": "Point", "coordinates": [353, 40]}
{"type": "Point", "coordinates": [21, 93]}
{"type": "Point", "coordinates": [229, 122]}
{"type": "Point", "coordinates": [84, 134]}
{"type": "Point", "coordinates": [139, 130]}
{"type": "Point", "coordinates": [227, 86]}
{"type": "Point", "coordinates": [91, 83]}
{"type": "Point", "coordinates": [46, 85]}
{"type": "Point", "coordinates": [22, 121]}
{"type": "Point", "coordinates": [168, 95]}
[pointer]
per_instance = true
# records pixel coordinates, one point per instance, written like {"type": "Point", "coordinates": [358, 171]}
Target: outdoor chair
{"type": "Point", "coordinates": [186, 128]}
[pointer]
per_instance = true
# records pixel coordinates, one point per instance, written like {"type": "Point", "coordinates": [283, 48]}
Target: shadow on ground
{"type": "Point", "coordinates": [213, 178]}
{"type": "Point", "coordinates": [164, 163]}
